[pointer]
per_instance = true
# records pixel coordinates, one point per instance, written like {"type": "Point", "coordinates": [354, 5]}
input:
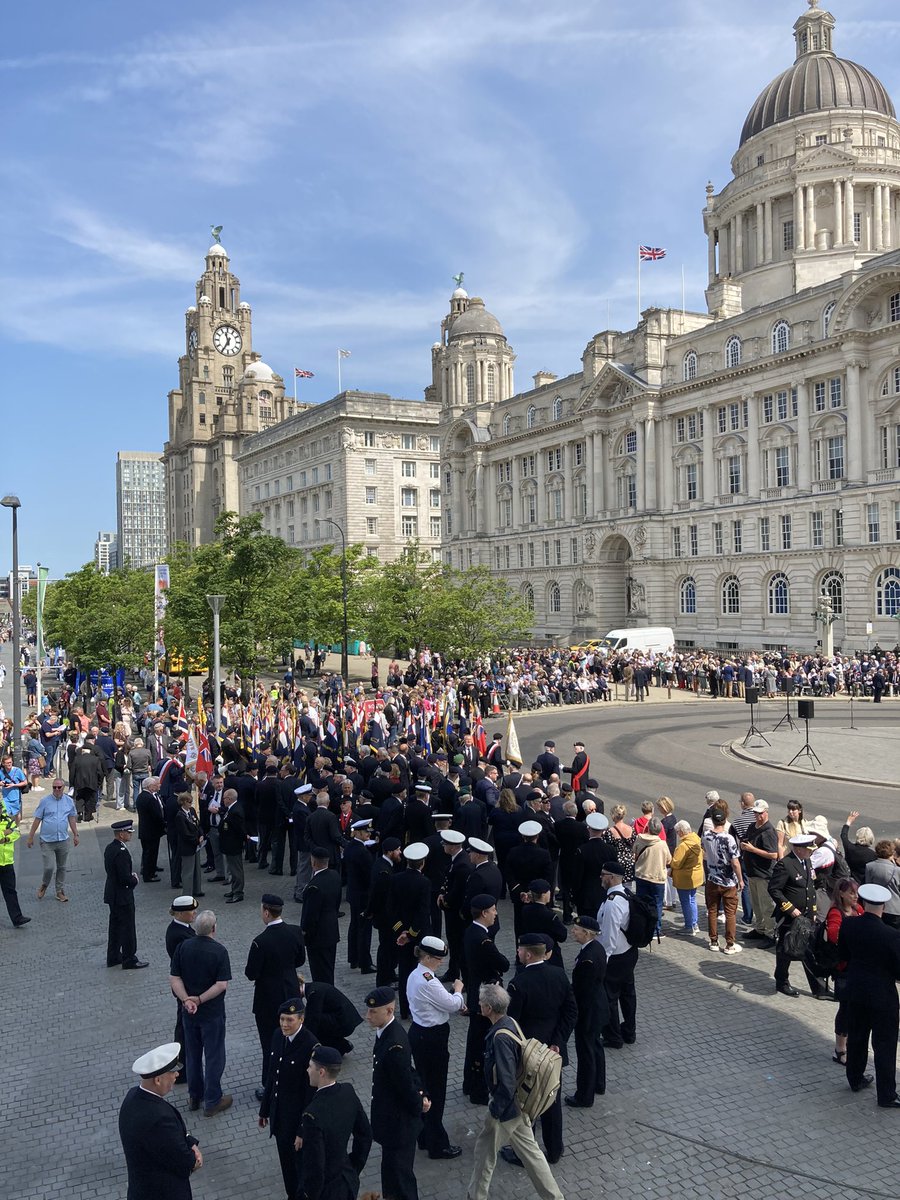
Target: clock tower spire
{"type": "Point", "coordinates": [224, 393]}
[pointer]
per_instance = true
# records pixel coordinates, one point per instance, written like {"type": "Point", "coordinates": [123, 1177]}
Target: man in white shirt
{"type": "Point", "coordinates": [613, 917]}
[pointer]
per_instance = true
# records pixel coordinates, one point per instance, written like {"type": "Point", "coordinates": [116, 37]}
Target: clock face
{"type": "Point", "coordinates": [192, 342]}
{"type": "Point", "coordinates": [227, 340]}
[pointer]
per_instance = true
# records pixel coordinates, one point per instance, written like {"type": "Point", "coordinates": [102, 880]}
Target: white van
{"type": "Point", "coordinates": [648, 638]}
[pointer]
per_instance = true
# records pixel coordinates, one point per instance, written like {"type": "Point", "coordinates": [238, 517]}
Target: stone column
{"type": "Point", "coordinates": [886, 239]}
{"type": "Point", "coordinates": [568, 482]}
{"type": "Point", "coordinates": [709, 466]}
{"type": "Point", "coordinates": [810, 216]}
{"type": "Point", "coordinates": [738, 243]}
{"type": "Point", "coordinates": [799, 219]}
{"type": "Point", "coordinates": [752, 481]}
{"type": "Point", "coordinates": [839, 231]}
{"type": "Point", "coordinates": [664, 495]}
{"type": "Point", "coordinates": [760, 240]}
{"type": "Point", "coordinates": [590, 474]}
{"type": "Point", "coordinates": [849, 204]}
{"type": "Point", "coordinates": [803, 442]}
{"type": "Point", "coordinates": [855, 448]}
{"type": "Point", "coordinates": [878, 219]}
{"type": "Point", "coordinates": [480, 499]}
{"type": "Point", "coordinates": [641, 468]}
{"type": "Point", "coordinates": [711, 255]}
{"type": "Point", "coordinates": [768, 231]}
{"type": "Point", "coordinates": [650, 462]}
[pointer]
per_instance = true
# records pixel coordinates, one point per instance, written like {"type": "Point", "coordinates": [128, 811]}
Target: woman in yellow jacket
{"type": "Point", "coordinates": [687, 874]}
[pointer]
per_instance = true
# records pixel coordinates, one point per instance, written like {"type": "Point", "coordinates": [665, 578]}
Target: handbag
{"type": "Point", "coordinates": [797, 938]}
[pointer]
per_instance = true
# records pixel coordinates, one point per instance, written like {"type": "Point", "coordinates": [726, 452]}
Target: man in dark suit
{"type": "Point", "coordinates": [151, 827]}
{"type": "Point", "coordinates": [324, 829]}
{"type": "Point", "coordinates": [539, 917]}
{"type": "Point", "coordinates": [453, 897]}
{"type": "Point", "coordinates": [379, 910]}
{"type": "Point", "coordinates": [332, 1118]}
{"type": "Point", "coordinates": [587, 866]}
{"type": "Point", "coordinates": [232, 836]}
{"type": "Point", "coordinates": [275, 954]}
{"type": "Point", "coordinates": [160, 1154]}
{"type": "Point", "coordinates": [409, 902]}
{"type": "Point", "coordinates": [437, 864]}
{"type": "Point", "coordinates": [171, 785]}
{"type": "Point", "coordinates": [266, 797]}
{"type": "Point", "coordinates": [588, 974]}
{"type": "Point", "coordinates": [358, 866]}
{"type": "Point", "coordinates": [179, 929]}
{"type": "Point", "coordinates": [871, 950]}
{"type": "Point", "coordinates": [397, 1098]}
{"type": "Point", "coordinates": [571, 834]}
{"type": "Point", "coordinates": [581, 765]}
{"type": "Point", "coordinates": [389, 820]}
{"type": "Point", "coordinates": [792, 887]}
{"type": "Point", "coordinates": [417, 817]}
{"type": "Point", "coordinates": [523, 863]}
{"type": "Point", "coordinates": [485, 876]}
{"type": "Point", "coordinates": [471, 818]}
{"type": "Point", "coordinates": [319, 922]}
{"type": "Point", "coordinates": [547, 762]}
{"type": "Point", "coordinates": [288, 1090]}
{"type": "Point", "coordinates": [542, 1001]}
{"type": "Point", "coordinates": [482, 963]}
{"type": "Point", "coordinates": [121, 946]}
{"type": "Point", "coordinates": [330, 1015]}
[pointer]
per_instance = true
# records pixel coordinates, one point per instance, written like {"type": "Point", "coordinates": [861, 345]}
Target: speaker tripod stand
{"type": "Point", "coordinates": [787, 719]}
{"type": "Point", "coordinates": [754, 731]}
{"type": "Point", "coordinates": [806, 751]}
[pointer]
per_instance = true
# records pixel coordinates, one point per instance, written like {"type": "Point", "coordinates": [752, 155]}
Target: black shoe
{"type": "Point", "coordinates": [786, 989]}
{"type": "Point", "coordinates": [276, 872]}
{"type": "Point", "coordinates": [753, 935]}
{"type": "Point", "coordinates": [553, 1159]}
{"type": "Point", "coordinates": [574, 1102]}
{"type": "Point", "coordinates": [217, 878]}
{"type": "Point", "coordinates": [367, 971]}
{"type": "Point", "coordinates": [20, 921]}
{"type": "Point", "coordinates": [199, 895]}
{"type": "Point", "coordinates": [612, 1045]}
{"type": "Point", "coordinates": [629, 1041]}
{"type": "Point", "coordinates": [895, 1103]}
{"type": "Point", "coordinates": [136, 965]}
{"type": "Point", "coordinates": [155, 879]}
{"type": "Point", "coordinates": [263, 866]}
{"type": "Point", "coordinates": [233, 899]}
{"type": "Point", "coordinates": [193, 1105]}
{"type": "Point", "coordinates": [259, 1093]}
{"type": "Point", "coordinates": [866, 1081]}
{"type": "Point", "coordinates": [509, 1155]}
{"type": "Point", "coordinates": [208, 869]}
{"type": "Point", "coordinates": [767, 944]}
{"type": "Point", "coordinates": [447, 1152]}
{"type": "Point", "coordinates": [117, 962]}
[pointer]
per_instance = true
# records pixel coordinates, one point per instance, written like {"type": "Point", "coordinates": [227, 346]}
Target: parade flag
{"type": "Point", "coordinates": [204, 755]}
{"type": "Point", "coordinates": [511, 751]}
{"type": "Point", "coordinates": [191, 753]}
{"type": "Point", "coordinates": [298, 374]}
{"type": "Point", "coordinates": [182, 722]}
{"type": "Point", "coordinates": [651, 253]}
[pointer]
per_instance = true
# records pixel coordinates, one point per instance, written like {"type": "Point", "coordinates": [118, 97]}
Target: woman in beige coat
{"type": "Point", "coordinates": [651, 862]}
{"type": "Point", "coordinates": [687, 874]}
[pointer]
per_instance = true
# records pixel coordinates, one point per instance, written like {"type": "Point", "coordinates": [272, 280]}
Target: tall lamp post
{"type": "Point", "coordinates": [15, 504]}
{"type": "Point", "coordinates": [215, 603]}
{"type": "Point", "coordinates": [345, 666]}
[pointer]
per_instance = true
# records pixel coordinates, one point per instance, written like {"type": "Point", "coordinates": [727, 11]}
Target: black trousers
{"type": "Point", "coordinates": [10, 895]}
{"type": "Point", "coordinates": [121, 946]}
{"type": "Point", "coordinates": [179, 1033]}
{"type": "Point", "coordinates": [279, 837]}
{"type": "Point", "coordinates": [265, 1029]}
{"type": "Point", "coordinates": [321, 963]}
{"type": "Point", "coordinates": [590, 1076]}
{"type": "Point", "coordinates": [359, 935]}
{"type": "Point", "coordinates": [386, 958]}
{"type": "Point", "coordinates": [398, 1179]}
{"type": "Point", "coordinates": [174, 860]}
{"type": "Point", "coordinates": [552, 1129]}
{"type": "Point", "coordinates": [432, 1058]}
{"type": "Point", "coordinates": [291, 1161]}
{"type": "Point", "coordinates": [876, 1013]}
{"type": "Point", "coordinates": [783, 963]}
{"type": "Point", "coordinates": [266, 833]}
{"type": "Point", "coordinates": [406, 964]}
{"type": "Point", "coordinates": [456, 927]}
{"type": "Point", "coordinates": [149, 856]}
{"type": "Point", "coordinates": [474, 1083]}
{"type": "Point", "coordinates": [619, 984]}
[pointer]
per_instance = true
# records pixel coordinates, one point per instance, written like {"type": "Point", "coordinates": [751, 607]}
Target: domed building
{"type": "Point", "coordinates": [735, 473]}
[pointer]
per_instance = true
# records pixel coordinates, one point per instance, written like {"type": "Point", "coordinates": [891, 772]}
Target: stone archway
{"type": "Point", "coordinates": [616, 595]}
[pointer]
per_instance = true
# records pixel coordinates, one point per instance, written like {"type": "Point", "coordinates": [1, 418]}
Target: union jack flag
{"type": "Point", "coordinates": [298, 374]}
{"type": "Point", "coordinates": [651, 253]}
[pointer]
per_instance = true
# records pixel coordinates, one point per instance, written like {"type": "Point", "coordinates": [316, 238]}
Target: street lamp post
{"type": "Point", "coordinates": [15, 504]}
{"type": "Point", "coordinates": [215, 603]}
{"type": "Point", "coordinates": [345, 666]}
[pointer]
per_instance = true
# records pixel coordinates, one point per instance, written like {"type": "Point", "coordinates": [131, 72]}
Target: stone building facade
{"type": "Point", "coordinates": [718, 472]}
{"type": "Point", "coordinates": [364, 460]}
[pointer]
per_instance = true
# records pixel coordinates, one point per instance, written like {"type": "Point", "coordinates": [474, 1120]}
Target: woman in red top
{"type": "Point", "coordinates": [844, 904]}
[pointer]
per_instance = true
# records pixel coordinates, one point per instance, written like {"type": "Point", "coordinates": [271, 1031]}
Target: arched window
{"type": "Point", "coordinates": [490, 383]}
{"type": "Point", "coordinates": [554, 598]}
{"type": "Point", "coordinates": [507, 422]}
{"type": "Point", "coordinates": [557, 408]}
{"type": "Point", "coordinates": [470, 383]}
{"type": "Point", "coordinates": [688, 603]}
{"type": "Point", "coordinates": [629, 442]}
{"type": "Point", "coordinates": [891, 385]}
{"type": "Point", "coordinates": [531, 417]}
{"type": "Point", "coordinates": [779, 595]}
{"type": "Point", "coordinates": [690, 365]}
{"type": "Point", "coordinates": [781, 337]}
{"type": "Point", "coordinates": [733, 352]}
{"type": "Point", "coordinates": [887, 593]}
{"type": "Point", "coordinates": [833, 586]}
{"type": "Point", "coordinates": [894, 308]}
{"type": "Point", "coordinates": [528, 596]}
{"type": "Point", "coordinates": [826, 317]}
{"type": "Point", "coordinates": [731, 595]}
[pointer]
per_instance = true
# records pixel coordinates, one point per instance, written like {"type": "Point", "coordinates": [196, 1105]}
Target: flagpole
{"type": "Point", "coordinates": [639, 287]}
{"type": "Point", "coordinates": [339, 371]}
{"type": "Point", "coordinates": [295, 389]}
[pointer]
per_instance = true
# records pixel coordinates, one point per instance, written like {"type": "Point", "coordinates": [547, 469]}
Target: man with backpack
{"type": "Point", "coordinates": [614, 918]}
{"type": "Point", "coordinates": [505, 1120]}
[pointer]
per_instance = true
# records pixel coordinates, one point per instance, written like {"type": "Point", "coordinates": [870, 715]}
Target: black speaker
{"type": "Point", "coordinates": [789, 686]}
{"type": "Point", "coordinates": [751, 695]}
{"type": "Point", "coordinates": [806, 709]}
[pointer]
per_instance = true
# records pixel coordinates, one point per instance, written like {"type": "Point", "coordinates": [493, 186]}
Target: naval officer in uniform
{"type": "Point", "coordinates": [288, 1090]}
{"type": "Point", "coordinates": [160, 1154]}
{"type": "Point", "coordinates": [121, 946]}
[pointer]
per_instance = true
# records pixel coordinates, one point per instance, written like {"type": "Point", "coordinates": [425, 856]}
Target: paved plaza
{"type": "Point", "coordinates": [729, 1092]}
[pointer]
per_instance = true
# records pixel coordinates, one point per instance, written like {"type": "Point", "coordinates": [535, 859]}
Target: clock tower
{"type": "Point", "coordinates": [225, 392]}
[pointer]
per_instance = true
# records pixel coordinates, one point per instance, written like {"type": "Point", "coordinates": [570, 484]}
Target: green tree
{"type": "Point", "coordinates": [101, 620]}
{"type": "Point", "coordinates": [398, 601]}
{"type": "Point", "coordinates": [473, 612]}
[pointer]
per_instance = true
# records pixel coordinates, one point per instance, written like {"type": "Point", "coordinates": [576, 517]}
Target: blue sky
{"type": "Point", "coordinates": [357, 155]}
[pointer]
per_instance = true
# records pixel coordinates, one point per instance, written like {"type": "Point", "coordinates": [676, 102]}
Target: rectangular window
{"type": "Point", "coordinates": [557, 552]}
{"type": "Point", "coordinates": [816, 530]}
{"type": "Point", "coordinates": [768, 410]}
{"type": "Point", "coordinates": [315, 502]}
{"type": "Point", "coordinates": [819, 396]}
{"type": "Point", "coordinates": [531, 554]}
{"type": "Point", "coordinates": [304, 506]}
{"type": "Point", "coordinates": [679, 429]}
{"type": "Point", "coordinates": [794, 404]}
{"type": "Point", "coordinates": [371, 495]}
{"type": "Point", "coordinates": [573, 549]}
{"type": "Point", "coordinates": [897, 520]}
{"type": "Point", "coordinates": [506, 557]}
{"type": "Point", "coordinates": [369, 437]}
{"type": "Point", "coordinates": [734, 415]}
{"type": "Point", "coordinates": [448, 482]}
{"type": "Point", "coordinates": [857, 227]}
{"type": "Point", "coordinates": [782, 466]}
{"type": "Point", "coordinates": [873, 522]}
{"type": "Point", "coordinates": [506, 512]}
{"type": "Point", "coordinates": [434, 444]}
{"type": "Point", "coordinates": [303, 479]}
{"type": "Point", "coordinates": [835, 450]}
{"type": "Point", "coordinates": [764, 540]}
{"type": "Point", "coordinates": [718, 546]}
{"type": "Point", "coordinates": [722, 420]}
{"type": "Point", "coordinates": [434, 498]}
{"type": "Point", "coordinates": [694, 540]}
{"type": "Point", "coordinates": [556, 505]}
{"type": "Point", "coordinates": [781, 405]}
{"type": "Point", "coordinates": [409, 526]}
{"type": "Point", "coordinates": [434, 470]}
{"type": "Point", "coordinates": [787, 235]}
{"type": "Point", "coordinates": [632, 491]}
{"type": "Point", "coordinates": [521, 554]}
{"type": "Point", "coordinates": [837, 392]}
{"type": "Point", "coordinates": [409, 498]}
{"type": "Point", "coordinates": [546, 554]}
{"type": "Point", "coordinates": [737, 536]}
{"type": "Point", "coordinates": [371, 466]}
{"type": "Point", "coordinates": [821, 139]}
{"type": "Point", "coordinates": [289, 484]}
{"type": "Point", "coordinates": [579, 454]}
{"type": "Point", "coordinates": [554, 459]}
{"type": "Point", "coordinates": [676, 542]}
{"type": "Point", "coordinates": [837, 522]}
{"type": "Point", "coordinates": [434, 524]}
{"type": "Point", "coordinates": [531, 509]}
{"type": "Point", "coordinates": [692, 427]}
{"type": "Point", "coordinates": [408, 469]}
{"type": "Point", "coordinates": [690, 481]}
{"type": "Point", "coordinates": [407, 441]}
{"type": "Point", "coordinates": [786, 529]}
{"type": "Point", "coordinates": [315, 474]}
{"type": "Point", "coordinates": [327, 471]}
{"type": "Point", "coordinates": [371, 526]}
{"type": "Point", "coordinates": [734, 474]}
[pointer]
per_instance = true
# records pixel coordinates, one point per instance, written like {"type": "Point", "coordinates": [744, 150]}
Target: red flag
{"type": "Point", "coordinates": [204, 756]}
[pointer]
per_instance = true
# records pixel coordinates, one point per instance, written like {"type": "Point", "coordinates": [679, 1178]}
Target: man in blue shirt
{"type": "Point", "coordinates": [12, 780]}
{"type": "Point", "coordinates": [56, 817]}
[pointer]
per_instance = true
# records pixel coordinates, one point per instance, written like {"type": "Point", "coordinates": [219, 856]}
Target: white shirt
{"type": "Point", "coordinates": [613, 916]}
{"type": "Point", "coordinates": [429, 1001]}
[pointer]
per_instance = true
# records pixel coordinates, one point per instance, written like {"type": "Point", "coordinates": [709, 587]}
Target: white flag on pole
{"type": "Point", "coordinates": [511, 751]}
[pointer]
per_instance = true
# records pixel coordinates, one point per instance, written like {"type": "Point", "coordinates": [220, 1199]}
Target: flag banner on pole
{"type": "Point", "coordinates": [511, 751]}
{"type": "Point", "coordinates": [204, 755]}
{"type": "Point", "coordinates": [651, 253]}
{"type": "Point", "coordinates": [191, 750]}
{"type": "Point", "coordinates": [344, 353]}
{"type": "Point", "coordinates": [298, 374]}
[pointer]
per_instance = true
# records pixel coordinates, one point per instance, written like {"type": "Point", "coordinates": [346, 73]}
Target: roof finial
{"type": "Point", "coordinates": [813, 3]}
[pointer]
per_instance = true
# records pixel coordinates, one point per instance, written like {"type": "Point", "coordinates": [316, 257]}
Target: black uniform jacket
{"type": "Point", "coordinates": [288, 1090]}
{"type": "Point", "coordinates": [455, 887]}
{"type": "Point", "coordinates": [321, 903]}
{"type": "Point", "coordinates": [793, 885]}
{"type": "Point", "coordinates": [176, 933]}
{"type": "Point", "coordinates": [232, 829]}
{"type": "Point", "coordinates": [151, 822]}
{"type": "Point", "coordinates": [382, 872]}
{"type": "Point", "coordinates": [540, 918]}
{"type": "Point", "coordinates": [586, 885]}
{"type": "Point", "coordinates": [871, 950]}
{"type": "Point", "coordinates": [409, 903]}
{"type": "Point", "coordinates": [275, 954]}
{"type": "Point", "coordinates": [485, 879]}
{"type": "Point", "coordinates": [120, 881]}
{"type": "Point", "coordinates": [396, 1091]}
{"type": "Point", "coordinates": [588, 974]}
{"type": "Point", "coordinates": [482, 962]}
{"type": "Point", "coordinates": [157, 1148]}
{"type": "Point", "coordinates": [358, 865]}
{"type": "Point", "coordinates": [542, 1001]}
{"type": "Point", "coordinates": [332, 1117]}
{"type": "Point", "coordinates": [325, 1000]}
{"type": "Point", "coordinates": [524, 863]}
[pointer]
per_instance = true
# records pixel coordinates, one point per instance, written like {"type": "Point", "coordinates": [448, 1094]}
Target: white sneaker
{"type": "Point", "coordinates": [733, 949]}
{"type": "Point", "coordinates": [714, 946]}
{"type": "Point", "coordinates": [696, 932]}
{"type": "Point", "coordinates": [721, 918]}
